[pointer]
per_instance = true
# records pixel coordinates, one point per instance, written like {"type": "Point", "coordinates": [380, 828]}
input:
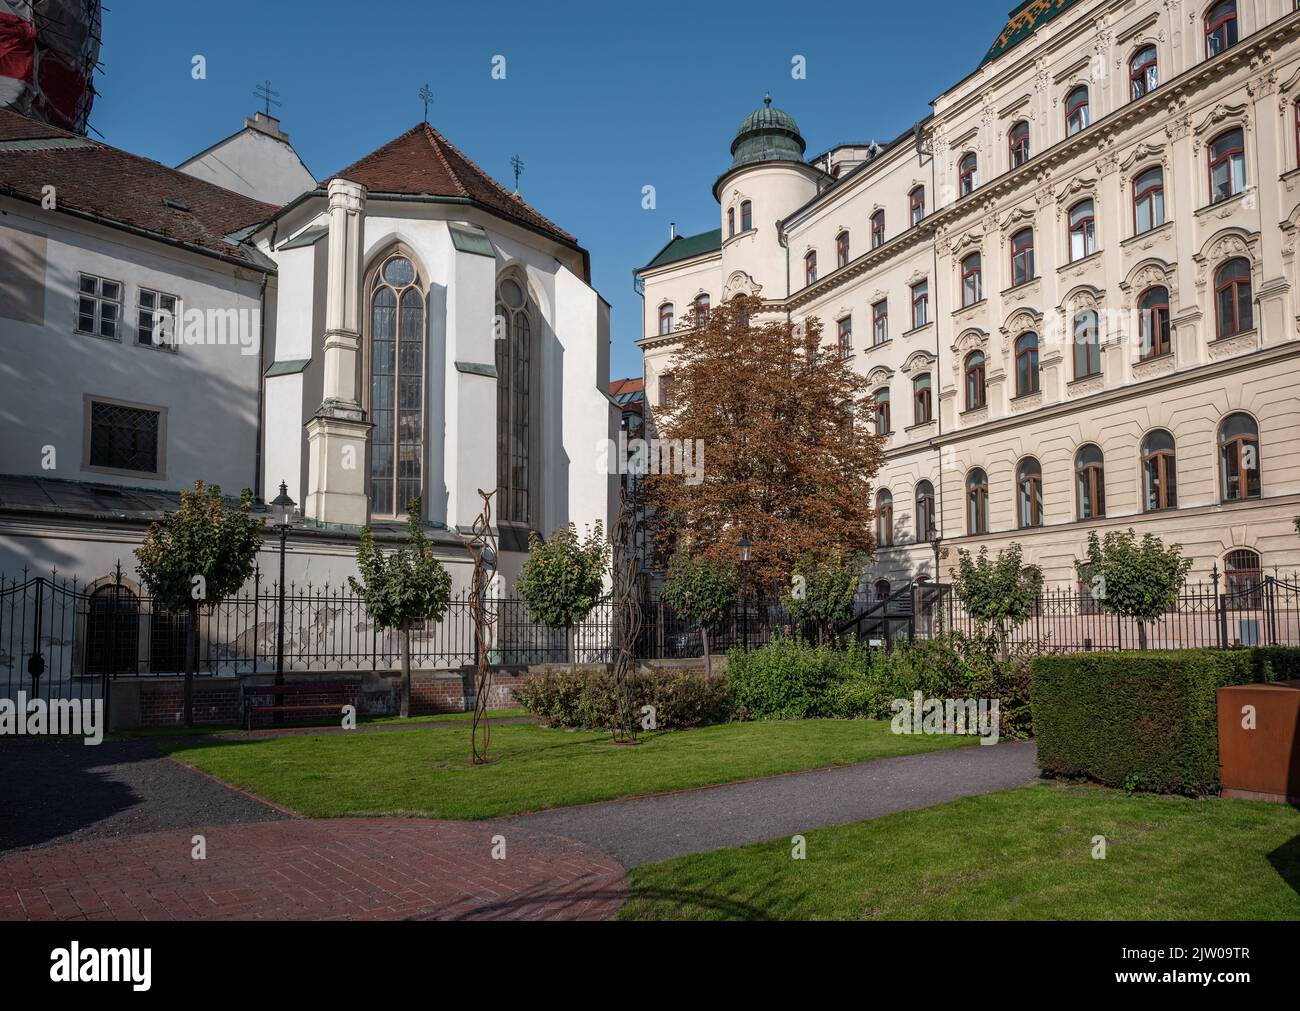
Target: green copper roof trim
{"type": "Point", "coordinates": [1023, 21]}
{"type": "Point", "coordinates": [685, 246]}
{"type": "Point", "coordinates": [477, 369]}
{"type": "Point", "coordinates": [307, 237]}
{"type": "Point", "coordinates": [767, 134]}
{"type": "Point", "coordinates": [471, 239]}
{"type": "Point", "coordinates": [289, 368]}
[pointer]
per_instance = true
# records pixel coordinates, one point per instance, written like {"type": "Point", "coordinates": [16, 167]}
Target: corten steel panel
{"type": "Point", "coordinates": [1264, 763]}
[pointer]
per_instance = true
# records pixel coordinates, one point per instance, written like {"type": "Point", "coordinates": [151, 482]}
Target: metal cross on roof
{"type": "Point", "coordinates": [264, 92]}
{"type": "Point", "coordinates": [518, 166]}
{"type": "Point", "coordinates": [427, 95]}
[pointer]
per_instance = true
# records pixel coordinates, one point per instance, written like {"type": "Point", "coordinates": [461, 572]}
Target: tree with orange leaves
{"type": "Point", "coordinates": [789, 450]}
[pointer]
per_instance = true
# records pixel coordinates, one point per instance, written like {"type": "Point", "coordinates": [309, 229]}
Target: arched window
{"type": "Point", "coordinates": [1149, 200]}
{"type": "Point", "coordinates": [746, 215]}
{"type": "Point", "coordinates": [925, 526]}
{"type": "Point", "coordinates": [844, 330]}
{"type": "Point", "coordinates": [1239, 458]}
{"type": "Point", "coordinates": [1143, 72]}
{"type": "Point", "coordinates": [884, 518]}
{"type": "Point", "coordinates": [877, 229]}
{"type": "Point", "coordinates": [514, 406]}
{"type": "Point", "coordinates": [1227, 166]}
{"type": "Point", "coordinates": [880, 322]}
{"type": "Point", "coordinates": [1233, 301]}
{"type": "Point", "coordinates": [922, 404]}
{"type": "Point", "coordinates": [1153, 323]}
{"type": "Point", "coordinates": [920, 304]}
{"type": "Point", "coordinates": [1087, 345]}
{"type": "Point", "coordinates": [1244, 584]}
{"type": "Point", "coordinates": [1076, 110]}
{"type": "Point", "coordinates": [731, 221]}
{"type": "Point", "coordinates": [1026, 364]}
{"type": "Point", "coordinates": [977, 502]}
{"type": "Point", "coordinates": [842, 249]}
{"type": "Point", "coordinates": [1083, 230]}
{"type": "Point", "coordinates": [1018, 143]}
{"type": "Point", "coordinates": [1159, 472]}
{"type": "Point", "coordinates": [1022, 257]}
{"type": "Point", "coordinates": [1220, 28]}
{"type": "Point", "coordinates": [972, 279]}
{"type": "Point", "coordinates": [1090, 482]}
{"type": "Point", "coordinates": [701, 310]}
{"type": "Point", "coordinates": [810, 267]}
{"type": "Point", "coordinates": [968, 173]}
{"type": "Point", "coordinates": [1029, 493]}
{"type": "Point", "coordinates": [916, 202]}
{"type": "Point", "coordinates": [883, 422]}
{"type": "Point", "coordinates": [882, 589]}
{"type": "Point", "coordinates": [397, 333]}
{"type": "Point", "coordinates": [665, 318]}
{"type": "Point", "coordinates": [976, 385]}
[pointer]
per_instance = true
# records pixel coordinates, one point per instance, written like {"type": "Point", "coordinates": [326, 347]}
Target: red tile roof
{"type": "Point", "coordinates": [93, 178]}
{"type": "Point", "coordinates": [618, 386]}
{"type": "Point", "coordinates": [423, 162]}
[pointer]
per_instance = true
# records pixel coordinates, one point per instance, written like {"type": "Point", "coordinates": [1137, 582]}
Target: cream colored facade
{"type": "Point", "coordinates": [1253, 368]}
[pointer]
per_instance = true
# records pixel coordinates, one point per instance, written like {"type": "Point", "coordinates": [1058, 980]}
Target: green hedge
{"type": "Point", "coordinates": [1143, 721]}
{"type": "Point", "coordinates": [586, 699]}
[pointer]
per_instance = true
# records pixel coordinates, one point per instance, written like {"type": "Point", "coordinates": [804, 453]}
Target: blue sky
{"type": "Point", "coordinates": [599, 100]}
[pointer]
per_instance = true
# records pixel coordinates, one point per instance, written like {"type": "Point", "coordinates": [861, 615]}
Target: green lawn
{"type": "Point", "coordinates": [427, 772]}
{"type": "Point", "coordinates": [221, 729]}
{"type": "Point", "coordinates": [1020, 854]}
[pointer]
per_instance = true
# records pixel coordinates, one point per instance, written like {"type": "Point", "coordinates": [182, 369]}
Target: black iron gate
{"type": "Point", "coordinates": [60, 643]}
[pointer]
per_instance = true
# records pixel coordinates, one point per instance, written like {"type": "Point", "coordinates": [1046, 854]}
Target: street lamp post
{"type": "Point", "coordinates": [282, 507]}
{"type": "Point", "coordinates": [936, 542]}
{"type": "Point", "coordinates": [744, 594]}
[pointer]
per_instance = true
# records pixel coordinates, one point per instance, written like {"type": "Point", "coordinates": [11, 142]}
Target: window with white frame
{"type": "Point", "coordinates": [99, 306]}
{"type": "Point", "coordinates": [156, 313]}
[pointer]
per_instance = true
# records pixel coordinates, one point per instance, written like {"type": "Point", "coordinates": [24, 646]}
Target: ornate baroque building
{"type": "Point", "coordinates": [1072, 286]}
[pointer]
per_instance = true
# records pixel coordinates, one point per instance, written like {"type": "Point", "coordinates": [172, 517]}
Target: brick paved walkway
{"type": "Point", "coordinates": [344, 869]}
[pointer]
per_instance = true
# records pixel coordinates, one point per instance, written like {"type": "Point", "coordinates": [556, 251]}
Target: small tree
{"type": "Point", "coordinates": [403, 589]}
{"type": "Point", "coordinates": [822, 591]}
{"type": "Point", "coordinates": [1132, 578]}
{"type": "Point", "coordinates": [200, 554]}
{"type": "Point", "coordinates": [998, 594]}
{"type": "Point", "coordinates": [563, 578]}
{"type": "Point", "coordinates": [703, 590]}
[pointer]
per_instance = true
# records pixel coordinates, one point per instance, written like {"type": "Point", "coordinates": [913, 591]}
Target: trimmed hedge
{"type": "Point", "coordinates": [1142, 721]}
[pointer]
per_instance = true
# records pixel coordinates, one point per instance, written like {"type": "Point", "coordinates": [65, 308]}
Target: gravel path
{"type": "Point", "coordinates": [648, 829]}
{"type": "Point", "coordinates": [56, 792]}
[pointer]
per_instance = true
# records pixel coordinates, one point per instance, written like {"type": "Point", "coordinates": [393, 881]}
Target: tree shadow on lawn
{"type": "Point", "coordinates": [1286, 860]}
{"type": "Point", "coordinates": [692, 900]}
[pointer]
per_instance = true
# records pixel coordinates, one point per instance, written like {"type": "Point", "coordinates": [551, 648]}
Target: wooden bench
{"type": "Point", "coordinates": [334, 695]}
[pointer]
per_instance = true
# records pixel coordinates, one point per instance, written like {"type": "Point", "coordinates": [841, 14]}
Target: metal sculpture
{"type": "Point", "coordinates": [483, 549]}
{"type": "Point", "coordinates": [628, 617]}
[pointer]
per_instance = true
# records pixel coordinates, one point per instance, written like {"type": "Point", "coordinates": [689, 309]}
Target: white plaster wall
{"type": "Point", "coordinates": [208, 392]}
{"type": "Point", "coordinates": [284, 444]}
{"type": "Point", "coordinates": [256, 165]}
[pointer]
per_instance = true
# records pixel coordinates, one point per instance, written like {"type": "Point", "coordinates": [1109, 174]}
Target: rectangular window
{"type": "Point", "coordinates": [920, 304]}
{"type": "Point", "coordinates": [124, 438]}
{"type": "Point", "coordinates": [880, 322]}
{"type": "Point", "coordinates": [846, 336]}
{"type": "Point", "coordinates": [156, 322]}
{"type": "Point", "coordinates": [99, 306]}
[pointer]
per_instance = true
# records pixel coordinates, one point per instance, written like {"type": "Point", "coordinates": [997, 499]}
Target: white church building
{"type": "Point", "coordinates": [406, 329]}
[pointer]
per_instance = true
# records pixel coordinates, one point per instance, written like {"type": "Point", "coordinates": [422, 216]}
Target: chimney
{"type": "Point", "coordinates": [672, 230]}
{"type": "Point", "coordinates": [268, 125]}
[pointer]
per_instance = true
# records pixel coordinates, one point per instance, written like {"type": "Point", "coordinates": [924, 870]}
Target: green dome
{"type": "Point", "coordinates": [767, 134]}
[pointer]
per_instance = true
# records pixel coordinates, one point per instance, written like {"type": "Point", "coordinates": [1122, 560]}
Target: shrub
{"type": "Point", "coordinates": [1143, 721]}
{"type": "Point", "coordinates": [790, 678]}
{"type": "Point", "coordinates": [586, 699]}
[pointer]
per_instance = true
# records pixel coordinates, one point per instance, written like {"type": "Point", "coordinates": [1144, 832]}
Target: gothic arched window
{"type": "Point", "coordinates": [396, 386]}
{"type": "Point", "coordinates": [514, 368]}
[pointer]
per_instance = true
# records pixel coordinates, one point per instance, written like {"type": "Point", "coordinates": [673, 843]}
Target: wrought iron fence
{"type": "Point", "coordinates": [61, 639]}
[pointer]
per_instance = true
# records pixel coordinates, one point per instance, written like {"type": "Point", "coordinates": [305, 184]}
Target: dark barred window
{"type": "Point", "coordinates": [124, 438]}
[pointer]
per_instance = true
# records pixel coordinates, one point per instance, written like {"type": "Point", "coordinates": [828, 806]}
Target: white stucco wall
{"type": "Point", "coordinates": [254, 164]}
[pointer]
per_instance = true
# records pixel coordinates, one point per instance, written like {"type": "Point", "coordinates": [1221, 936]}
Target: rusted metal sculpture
{"type": "Point", "coordinates": [483, 549]}
{"type": "Point", "coordinates": [626, 575]}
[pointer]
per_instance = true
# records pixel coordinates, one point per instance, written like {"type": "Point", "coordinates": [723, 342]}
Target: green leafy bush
{"type": "Point", "coordinates": [1145, 720]}
{"type": "Point", "coordinates": [790, 678]}
{"type": "Point", "coordinates": [586, 699]}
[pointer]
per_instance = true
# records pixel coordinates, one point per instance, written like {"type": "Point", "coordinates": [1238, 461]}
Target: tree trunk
{"type": "Point", "coordinates": [191, 662]}
{"type": "Point", "coordinates": [1142, 635]}
{"type": "Point", "coordinates": [405, 709]}
{"type": "Point", "coordinates": [569, 645]}
{"type": "Point", "coordinates": [708, 660]}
